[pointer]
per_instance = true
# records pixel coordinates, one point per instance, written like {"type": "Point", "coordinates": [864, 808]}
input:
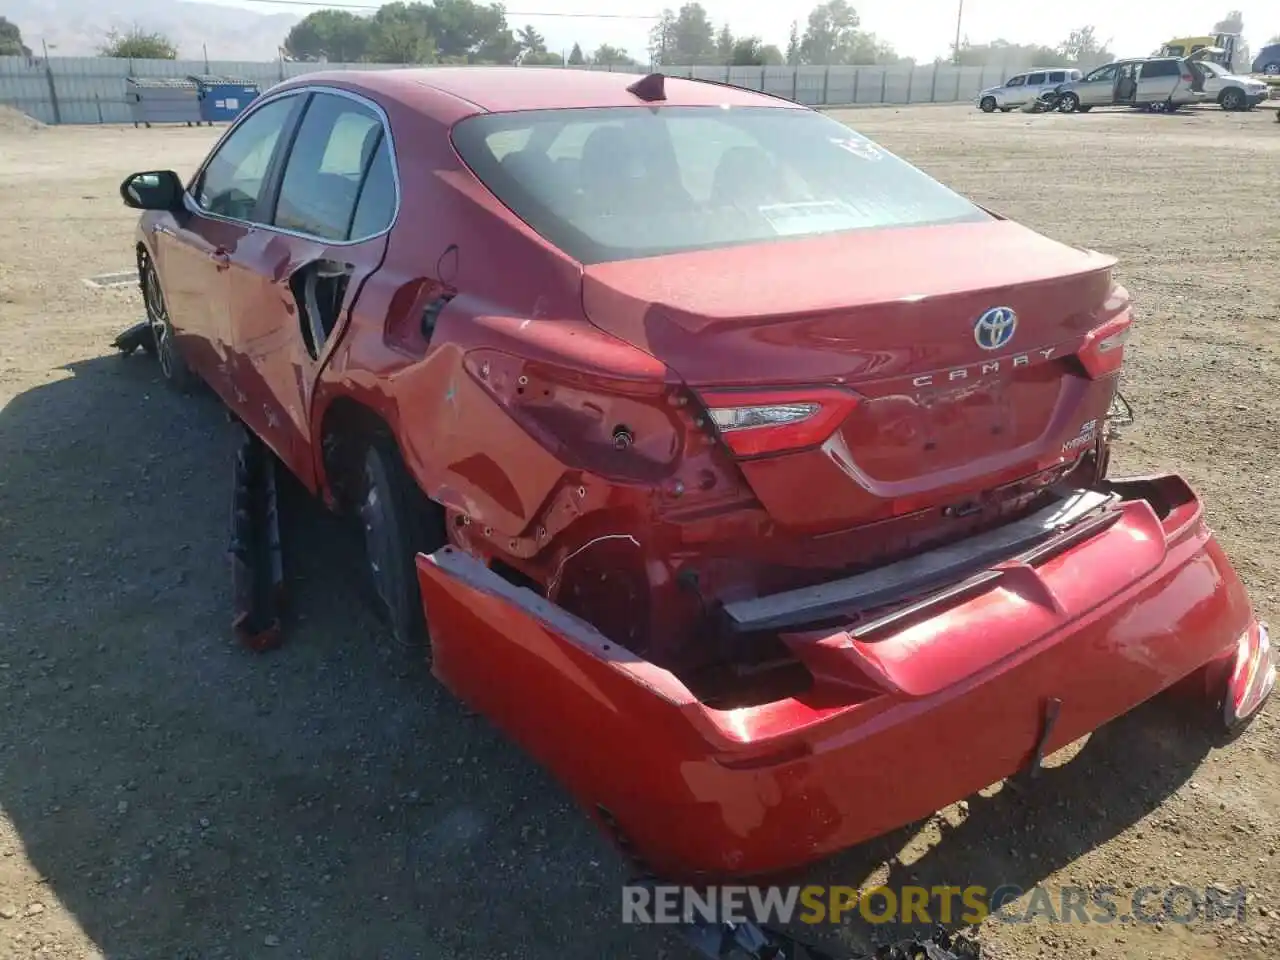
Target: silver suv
{"type": "Point", "coordinates": [1156, 83]}
{"type": "Point", "coordinates": [1022, 88]}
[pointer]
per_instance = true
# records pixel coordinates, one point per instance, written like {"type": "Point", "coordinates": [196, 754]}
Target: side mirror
{"type": "Point", "coordinates": [153, 190]}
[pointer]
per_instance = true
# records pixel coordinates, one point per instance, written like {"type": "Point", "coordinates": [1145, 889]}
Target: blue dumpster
{"type": "Point", "coordinates": [223, 98]}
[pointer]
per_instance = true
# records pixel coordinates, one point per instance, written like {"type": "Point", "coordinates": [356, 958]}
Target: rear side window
{"type": "Point", "coordinates": [376, 207]}
{"type": "Point", "coordinates": [1058, 76]}
{"type": "Point", "coordinates": [1035, 80]}
{"type": "Point", "coordinates": [626, 182]}
{"type": "Point", "coordinates": [337, 143]}
{"type": "Point", "coordinates": [1160, 68]}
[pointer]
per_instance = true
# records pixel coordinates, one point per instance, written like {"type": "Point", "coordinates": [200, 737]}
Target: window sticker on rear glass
{"type": "Point", "coordinates": [816, 216]}
{"type": "Point", "coordinates": [859, 147]}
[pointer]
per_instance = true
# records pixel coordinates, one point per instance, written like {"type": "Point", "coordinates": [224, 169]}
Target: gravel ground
{"type": "Point", "coordinates": [165, 795]}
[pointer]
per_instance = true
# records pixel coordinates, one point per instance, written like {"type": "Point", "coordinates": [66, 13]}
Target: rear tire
{"type": "Point", "coordinates": [1272, 69]}
{"type": "Point", "coordinates": [988, 105]}
{"type": "Point", "coordinates": [398, 523]}
{"type": "Point", "coordinates": [1070, 103]}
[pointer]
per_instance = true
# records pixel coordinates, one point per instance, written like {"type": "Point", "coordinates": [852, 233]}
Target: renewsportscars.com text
{"type": "Point", "coordinates": [931, 905]}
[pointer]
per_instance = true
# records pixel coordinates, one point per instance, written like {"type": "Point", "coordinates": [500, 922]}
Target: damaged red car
{"type": "Point", "coordinates": [751, 479]}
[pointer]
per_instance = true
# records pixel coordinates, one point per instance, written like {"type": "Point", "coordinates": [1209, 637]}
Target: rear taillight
{"type": "Point", "coordinates": [755, 423]}
{"type": "Point", "coordinates": [1103, 350]}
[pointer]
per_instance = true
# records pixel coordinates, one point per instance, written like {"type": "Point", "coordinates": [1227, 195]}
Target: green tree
{"type": "Point", "coordinates": [138, 44]}
{"type": "Point", "coordinates": [468, 32]}
{"type": "Point", "coordinates": [751, 52]}
{"type": "Point", "coordinates": [401, 33]}
{"type": "Point", "coordinates": [831, 34]}
{"type": "Point", "coordinates": [11, 44]}
{"type": "Point", "coordinates": [724, 45]}
{"type": "Point", "coordinates": [793, 45]}
{"type": "Point", "coordinates": [530, 40]}
{"type": "Point", "coordinates": [611, 56]}
{"type": "Point", "coordinates": [684, 37]}
{"type": "Point", "coordinates": [868, 49]}
{"type": "Point", "coordinates": [1233, 22]}
{"type": "Point", "coordinates": [576, 59]}
{"type": "Point", "coordinates": [1083, 49]}
{"type": "Point", "coordinates": [1010, 56]}
{"type": "Point", "coordinates": [338, 36]}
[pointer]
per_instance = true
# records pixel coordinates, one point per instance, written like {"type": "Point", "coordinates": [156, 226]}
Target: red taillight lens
{"type": "Point", "coordinates": [756, 423]}
{"type": "Point", "coordinates": [1103, 350]}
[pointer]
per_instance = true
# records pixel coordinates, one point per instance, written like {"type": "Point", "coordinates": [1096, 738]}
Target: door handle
{"type": "Point", "coordinates": [221, 259]}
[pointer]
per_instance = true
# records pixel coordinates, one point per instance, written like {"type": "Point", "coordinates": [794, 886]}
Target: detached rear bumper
{"type": "Point", "coordinates": [927, 709]}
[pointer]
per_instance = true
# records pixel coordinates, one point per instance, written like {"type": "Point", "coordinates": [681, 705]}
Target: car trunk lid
{"type": "Point", "coordinates": [948, 394]}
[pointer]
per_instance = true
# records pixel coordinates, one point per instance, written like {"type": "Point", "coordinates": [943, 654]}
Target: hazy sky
{"type": "Point", "coordinates": [919, 28]}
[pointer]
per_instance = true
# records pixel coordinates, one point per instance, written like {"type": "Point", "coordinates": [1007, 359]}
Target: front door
{"type": "Point", "coordinates": [222, 209]}
{"type": "Point", "coordinates": [295, 280]}
{"type": "Point", "coordinates": [1098, 88]}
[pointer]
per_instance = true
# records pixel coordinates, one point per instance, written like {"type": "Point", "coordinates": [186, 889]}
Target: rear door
{"type": "Point", "coordinates": [1158, 80]}
{"type": "Point", "coordinates": [295, 281]}
{"type": "Point", "coordinates": [1037, 83]}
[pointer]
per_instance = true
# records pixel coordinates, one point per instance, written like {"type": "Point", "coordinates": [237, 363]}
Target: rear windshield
{"type": "Point", "coordinates": [627, 182]}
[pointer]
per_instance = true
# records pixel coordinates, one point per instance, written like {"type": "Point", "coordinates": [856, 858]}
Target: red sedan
{"type": "Point", "coordinates": [751, 479]}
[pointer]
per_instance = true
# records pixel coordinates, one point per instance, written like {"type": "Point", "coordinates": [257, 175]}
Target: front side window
{"type": "Point", "coordinates": [627, 182]}
{"type": "Point", "coordinates": [337, 143]}
{"type": "Point", "coordinates": [1017, 81]}
{"type": "Point", "coordinates": [1103, 73]}
{"type": "Point", "coordinates": [234, 177]}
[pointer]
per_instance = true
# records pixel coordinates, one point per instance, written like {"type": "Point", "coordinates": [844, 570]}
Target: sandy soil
{"type": "Point", "coordinates": [166, 795]}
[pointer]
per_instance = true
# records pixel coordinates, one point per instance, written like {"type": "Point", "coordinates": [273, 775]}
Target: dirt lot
{"type": "Point", "coordinates": [166, 795]}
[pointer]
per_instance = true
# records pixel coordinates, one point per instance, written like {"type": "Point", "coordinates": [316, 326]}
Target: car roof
{"type": "Point", "coordinates": [501, 89]}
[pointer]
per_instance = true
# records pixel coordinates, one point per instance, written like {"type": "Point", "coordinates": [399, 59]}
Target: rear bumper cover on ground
{"type": "Point", "coordinates": [926, 711]}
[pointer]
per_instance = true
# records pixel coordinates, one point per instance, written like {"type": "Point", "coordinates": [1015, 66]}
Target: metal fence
{"type": "Point", "coordinates": [92, 89]}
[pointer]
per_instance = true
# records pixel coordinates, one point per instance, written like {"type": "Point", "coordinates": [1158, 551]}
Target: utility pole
{"type": "Point", "coordinates": [959, 17]}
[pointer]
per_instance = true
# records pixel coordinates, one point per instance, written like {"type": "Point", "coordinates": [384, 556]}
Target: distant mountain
{"type": "Point", "coordinates": [76, 28]}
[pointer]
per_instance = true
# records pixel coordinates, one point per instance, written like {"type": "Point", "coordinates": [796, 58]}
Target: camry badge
{"type": "Point", "coordinates": [995, 328]}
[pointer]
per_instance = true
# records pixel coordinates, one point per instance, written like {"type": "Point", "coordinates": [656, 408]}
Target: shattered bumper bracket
{"type": "Point", "coordinates": [906, 578]}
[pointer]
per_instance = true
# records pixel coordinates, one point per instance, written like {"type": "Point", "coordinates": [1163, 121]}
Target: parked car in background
{"type": "Point", "coordinates": [1220, 48]}
{"type": "Point", "coordinates": [1151, 82]}
{"type": "Point", "coordinates": [1268, 60]}
{"type": "Point", "coordinates": [1022, 88]}
{"type": "Point", "coordinates": [1231, 91]}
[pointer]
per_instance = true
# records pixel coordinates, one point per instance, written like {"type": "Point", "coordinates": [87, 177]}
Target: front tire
{"type": "Point", "coordinates": [398, 523]}
{"type": "Point", "coordinates": [164, 343]}
{"type": "Point", "coordinates": [1070, 103]}
{"type": "Point", "coordinates": [988, 105]}
{"type": "Point", "coordinates": [1232, 100]}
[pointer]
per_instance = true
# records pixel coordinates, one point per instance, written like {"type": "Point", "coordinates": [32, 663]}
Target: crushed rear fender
{"type": "Point", "coordinates": [924, 710]}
